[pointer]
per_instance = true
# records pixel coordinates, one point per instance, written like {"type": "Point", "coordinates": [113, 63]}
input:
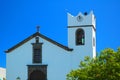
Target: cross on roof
{"type": "Point", "coordinates": [38, 27]}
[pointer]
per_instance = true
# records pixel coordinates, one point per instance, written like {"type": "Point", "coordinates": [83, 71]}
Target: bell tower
{"type": "Point", "coordinates": [82, 34]}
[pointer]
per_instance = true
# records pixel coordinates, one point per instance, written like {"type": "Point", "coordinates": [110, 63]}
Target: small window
{"type": "Point", "coordinates": [37, 57]}
{"type": "Point", "coordinates": [93, 41]}
{"type": "Point", "coordinates": [80, 37]}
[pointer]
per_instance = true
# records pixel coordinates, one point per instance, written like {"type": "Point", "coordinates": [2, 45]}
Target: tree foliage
{"type": "Point", "coordinates": [106, 66]}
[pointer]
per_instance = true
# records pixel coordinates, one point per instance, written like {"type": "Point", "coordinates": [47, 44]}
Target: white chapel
{"type": "Point", "coordinates": [40, 58]}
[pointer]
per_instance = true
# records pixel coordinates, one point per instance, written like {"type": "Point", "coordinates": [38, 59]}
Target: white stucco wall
{"type": "Point", "coordinates": [80, 51]}
{"type": "Point", "coordinates": [94, 46]}
{"type": "Point", "coordinates": [17, 61]}
{"type": "Point", "coordinates": [58, 61]}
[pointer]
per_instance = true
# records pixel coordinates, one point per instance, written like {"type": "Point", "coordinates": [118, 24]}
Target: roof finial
{"type": "Point", "coordinates": [38, 27]}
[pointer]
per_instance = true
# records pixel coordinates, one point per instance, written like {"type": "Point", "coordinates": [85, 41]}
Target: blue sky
{"type": "Point", "coordinates": [19, 18]}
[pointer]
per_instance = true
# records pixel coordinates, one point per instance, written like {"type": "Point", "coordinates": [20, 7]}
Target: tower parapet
{"type": "Point", "coordinates": [81, 19]}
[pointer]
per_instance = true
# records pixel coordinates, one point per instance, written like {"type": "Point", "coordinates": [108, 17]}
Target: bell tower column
{"type": "Point", "coordinates": [82, 34]}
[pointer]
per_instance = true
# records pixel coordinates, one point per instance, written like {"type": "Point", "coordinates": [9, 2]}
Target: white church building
{"type": "Point", "coordinates": [40, 58]}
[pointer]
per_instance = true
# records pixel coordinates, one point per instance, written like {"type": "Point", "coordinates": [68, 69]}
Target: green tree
{"type": "Point", "coordinates": [106, 66]}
